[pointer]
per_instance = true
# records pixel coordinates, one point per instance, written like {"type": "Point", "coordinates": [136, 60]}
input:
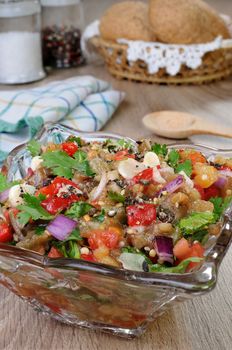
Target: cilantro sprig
{"type": "Point", "coordinates": [78, 209]}
{"type": "Point", "coordinates": [32, 209]}
{"type": "Point", "coordinates": [220, 205]}
{"type": "Point", "coordinates": [180, 268]}
{"type": "Point", "coordinates": [116, 197]}
{"type": "Point", "coordinates": [61, 164]}
{"type": "Point", "coordinates": [34, 147]}
{"type": "Point", "coordinates": [186, 166]}
{"type": "Point", "coordinates": [160, 150]}
{"type": "Point", "coordinates": [4, 184]}
{"type": "Point", "coordinates": [196, 222]}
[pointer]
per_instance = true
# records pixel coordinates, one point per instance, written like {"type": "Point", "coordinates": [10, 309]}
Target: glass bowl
{"type": "Point", "coordinates": [98, 296]}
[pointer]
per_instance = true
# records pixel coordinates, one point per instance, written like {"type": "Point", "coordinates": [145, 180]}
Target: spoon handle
{"type": "Point", "coordinates": [202, 127]}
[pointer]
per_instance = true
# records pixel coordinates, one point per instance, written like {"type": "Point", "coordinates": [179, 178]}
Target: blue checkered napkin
{"type": "Point", "coordinates": [85, 103]}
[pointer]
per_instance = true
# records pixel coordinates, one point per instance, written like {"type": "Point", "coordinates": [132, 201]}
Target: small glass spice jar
{"type": "Point", "coordinates": [62, 24]}
{"type": "Point", "coordinates": [20, 41]}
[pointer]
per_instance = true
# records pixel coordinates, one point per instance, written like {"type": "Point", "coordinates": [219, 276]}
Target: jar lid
{"type": "Point", "coordinates": [19, 8]}
{"type": "Point", "coordinates": [54, 3]}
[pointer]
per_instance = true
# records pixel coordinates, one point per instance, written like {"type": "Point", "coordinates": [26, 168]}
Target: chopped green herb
{"type": "Point", "coordinates": [160, 150]}
{"type": "Point", "coordinates": [32, 209]}
{"type": "Point", "coordinates": [74, 236]}
{"type": "Point", "coordinates": [181, 268]}
{"type": "Point", "coordinates": [62, 164]}
{"type": "Point", "coordinates": [101, 216]}
{"type": "Point", "coordinates": [4, 184]}
{"type": "Point", "coordinates": [75, 139]}
{"type": "Point", "coordinates": [200, 236]}
{"type": "Point", "coordinates": [220, 205]}
{"type": "Point", "coordinates": [39, 230]}
{"type": "Point", "coordinates": [195, 222]}
{"type": "Point", "coordinates": [116, 197]}
{"type": "Point", "coordinates": [69, 249]}
{"type": "Point", "coordinates": [34, 147]}
{"type": "Point", "coordinates": [78, 209]}
{"type": "Point", "coordinates": [173, 158]}
{"type": "Point", "coordinates": [117, 145]}
{"type": "Point", "coordinates": [186, 167]}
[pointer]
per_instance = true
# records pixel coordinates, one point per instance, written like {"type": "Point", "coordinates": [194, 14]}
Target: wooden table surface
{"type": "Point", "coordinates": [203, 323]}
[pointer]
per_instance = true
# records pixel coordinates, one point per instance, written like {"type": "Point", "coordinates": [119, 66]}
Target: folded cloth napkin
{"type": "Point", "coordinates": [85, 103]}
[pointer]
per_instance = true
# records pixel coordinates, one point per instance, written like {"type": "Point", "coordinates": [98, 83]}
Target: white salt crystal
{"type": "Point", "coordinates": [20, 57]}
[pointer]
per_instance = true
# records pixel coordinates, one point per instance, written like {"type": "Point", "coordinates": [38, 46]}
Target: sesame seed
{"type": "Point", "coordinates": [121, 244]}
{"type": "Point", "coordinates": [87, 218]}
{"type": "Point", "coordinates": [147, 249]}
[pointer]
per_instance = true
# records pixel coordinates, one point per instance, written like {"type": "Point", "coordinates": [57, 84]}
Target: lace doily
{"type": "Point", "coordinates": [157, 55]}
{"type": "Point", "coordinates": [170, 57]}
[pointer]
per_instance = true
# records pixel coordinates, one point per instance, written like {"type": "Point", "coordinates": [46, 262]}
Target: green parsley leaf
{"type": "Point", "coordinates": [62, 164]}
{"type": "Point", "coordinates": [116, 197]}
{"type": "Point", "coordinates": [160, 150]}
{"type": "Point", "coordinates": [196, 221]}
{"type": "Point", "coordinates": [101, 216]}
{"type": "Point", "coordinates": [200, 236]}
{"type": "Point", "coordinates": [173, 158]}
{"type": "Point", "coordinates": [75, 139]}
{"type": "Point", "coordinates": [186, 167]}
{"type": "Point", "coordinates": [74, 236]}
{"type": "Point", "coordinates": [69, 249]}
{"type": "Point", "coordinates": [4, 185]}
{"type": "Point", "coordinates": [32, 209]}
{"type": "Point", "coordinates": [117, 145]}
{"type": "Point", "coordinates": [181, 268]}
{"type": "Point", "coordinates": [39, 230]}
{"type": "Point", "coordinates": [82, 164]}
{"type": "Point", "coordinates": [220, 205]}
{"type": "Point", "coordinates": [78, 209]}
{"type": "Point", "coordinates": [34, 147]}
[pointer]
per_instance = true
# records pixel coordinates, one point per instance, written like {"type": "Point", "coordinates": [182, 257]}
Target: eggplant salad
{"type": "Point", "coordinates": [139, 207]}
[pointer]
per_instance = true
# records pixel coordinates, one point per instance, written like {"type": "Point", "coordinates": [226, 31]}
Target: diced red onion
{"type": "Point", "coordinates": [98, 191]}
{"type": "Point", "coordinates": [30, 172]}
{"type": "Point", "coordinates": [4, 196]}
{"type": "Point", "coordinates": [61, 227]}
{"type": "Point", "coordinates": [221, 182]}
{"type": "Point", "coordinates": [172, 186]}
{"type": "Point", "coordinates": [227, 173]}
{"type": "Point", "coordinates": [164, 249]}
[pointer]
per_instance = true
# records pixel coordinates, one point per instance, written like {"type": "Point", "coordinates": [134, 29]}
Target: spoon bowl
{"type": "Point", "coordinates": [180, 125]}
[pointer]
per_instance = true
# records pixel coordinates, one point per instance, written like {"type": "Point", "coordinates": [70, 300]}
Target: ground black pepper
{"type": "Point", "coordinates": [61, 46]}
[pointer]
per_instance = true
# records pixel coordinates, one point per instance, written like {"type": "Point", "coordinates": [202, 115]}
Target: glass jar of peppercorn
{"type": "Point", "coordinates": [62, 23]}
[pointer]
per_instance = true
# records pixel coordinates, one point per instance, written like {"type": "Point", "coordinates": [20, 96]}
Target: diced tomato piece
{"type": "Point", "coordinates": [88, 257]}
{"type": "Point", "coordinates": [194, 156]}
{"type": "Point", "coordinates": [123, 154]}
{"type": "Point", "coordinates": [183, 250]}
{"type": "Point", "coordinates": [55, 253]}
{"type": "Point", "coordinates": [108, 238]}
{"type": "Point", "coordinates": [55, 186]}
{"type": "Point", "coordinates": [211, 191]}
{"type": "Point", "coordinates": [6, 234]}
{"type": "Point", "coordinates": [200, 190]}
{"type": "Point", "coordinates": [145, 175]}
{"type": "Point", "coordinates": [56, 204]}
{"type": "Point", "coordinates": [70, 148]}
{"type": "Point", "coordinates": [225, 167]}
{"type": "Point", "coordinates": [141, 214]}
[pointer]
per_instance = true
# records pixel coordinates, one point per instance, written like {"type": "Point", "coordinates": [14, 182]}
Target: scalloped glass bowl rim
{"type": "Point", "coordinates": [198, 282]}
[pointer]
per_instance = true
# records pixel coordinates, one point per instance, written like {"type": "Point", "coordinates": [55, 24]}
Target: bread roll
{"type": "Point", "coordinates": [127, 20]}
{"type": "Point", "coordinates": [185, 21]}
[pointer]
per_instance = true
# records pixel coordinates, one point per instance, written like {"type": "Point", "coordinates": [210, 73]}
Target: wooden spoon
{"type": "Point", "coordinates": [179, 125]}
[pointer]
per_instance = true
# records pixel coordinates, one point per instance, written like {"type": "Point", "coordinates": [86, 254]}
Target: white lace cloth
{"type": "Point", "coordinates": [157, 55]}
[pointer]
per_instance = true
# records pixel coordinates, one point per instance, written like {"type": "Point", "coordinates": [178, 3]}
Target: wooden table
{"type": "Point", "coordinates": [203, 323]}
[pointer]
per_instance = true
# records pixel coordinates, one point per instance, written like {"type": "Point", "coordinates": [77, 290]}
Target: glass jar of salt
{"type": "Point", "coordinates": [20, 41]}
{"type": "Point", "coordinates": [62, 23]}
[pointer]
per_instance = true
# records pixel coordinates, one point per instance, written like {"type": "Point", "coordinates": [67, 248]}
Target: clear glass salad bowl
{"type": "Point", "coordinates": [97, 296]}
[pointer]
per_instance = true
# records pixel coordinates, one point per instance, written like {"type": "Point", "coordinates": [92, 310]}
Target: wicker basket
{"type": "Point", "coordinates": [215, 65]}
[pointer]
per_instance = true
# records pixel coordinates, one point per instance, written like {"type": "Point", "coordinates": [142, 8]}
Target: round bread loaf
{"type": "Point", "coordinates": [127, 20]}
{"type": "Point", "coordinates": [185, 21]}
